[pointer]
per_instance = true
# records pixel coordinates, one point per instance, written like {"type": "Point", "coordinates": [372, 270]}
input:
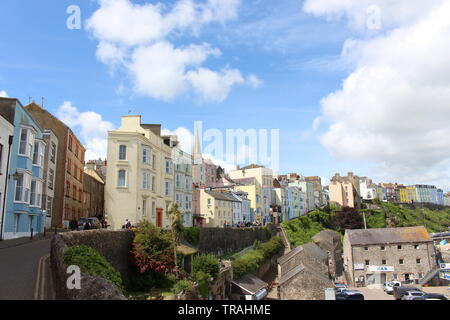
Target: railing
{"type": "Point", "coordinates": [430, 275]}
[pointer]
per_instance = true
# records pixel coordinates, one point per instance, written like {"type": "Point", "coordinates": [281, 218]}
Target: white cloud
{"type": "Point", "coordinates": [3, 94]}
{"type": "Point", "coordinates": [394, 107]}
{"type": "Point", "coordinates": [136, 38]}
{"type": "Point", "coordinates": [92, 128]}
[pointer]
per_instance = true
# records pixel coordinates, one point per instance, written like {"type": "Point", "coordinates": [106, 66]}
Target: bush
{"type": "Point", "coordinates": [192, 235]}
{"type": "Point", "coordinates": [92, 262]}
{"type": "Point", "coordinates": [183, 286]}
{"type": "Point", "coordinates": [206, 263]}
{"type": "Point", "coordinates": [251, 261]}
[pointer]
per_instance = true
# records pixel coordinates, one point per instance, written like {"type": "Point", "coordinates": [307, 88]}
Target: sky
{"type": "Point", "coordinates": [351, 86]}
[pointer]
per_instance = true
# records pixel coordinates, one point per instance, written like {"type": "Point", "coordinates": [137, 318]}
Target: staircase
{"type": "Point", "coordinates": [287, 244]}
{"type": "Point", "coordinates": [430, 275]}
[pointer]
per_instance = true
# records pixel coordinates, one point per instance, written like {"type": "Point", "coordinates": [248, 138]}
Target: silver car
{"type": "Point", "coordinates": [412, 295]}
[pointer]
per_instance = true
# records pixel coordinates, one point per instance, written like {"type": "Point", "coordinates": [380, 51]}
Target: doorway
{"type": "Point", "coordinates": [159, 218]}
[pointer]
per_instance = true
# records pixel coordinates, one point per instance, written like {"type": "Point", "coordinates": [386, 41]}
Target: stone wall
{"type": "Point", "coordinates": [302, 256]}
{"type": "Point", "coordinates": [223, 241]}
{"type": "Point", "coordinates": [113, 245]}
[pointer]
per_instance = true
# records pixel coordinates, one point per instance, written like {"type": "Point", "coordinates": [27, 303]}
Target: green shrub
{"type": "Point", "coordinates": [184, 286]}
{"type": "Point", "coordinates": [206, 263]}
{"type": "Point", "coordinates": [92, 262]}
{"type": "Point", "coordinates": [251, 261]}
{"type": "Point", "coordinates": [192, 235]}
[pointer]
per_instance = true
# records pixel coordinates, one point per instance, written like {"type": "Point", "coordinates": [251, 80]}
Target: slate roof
{"type": "Point", "coordinates": [221, 196]}
{"type": "Point", "coordinates": [303, 268]}
{"type": "Point", "coordinates": [388, 235]}
{"type": "Point", "coordinates": [250, 283]}
{"type": "Point", "coordinates": [245, 181]}
{"type": "Point", "coordinates": [311, 248]}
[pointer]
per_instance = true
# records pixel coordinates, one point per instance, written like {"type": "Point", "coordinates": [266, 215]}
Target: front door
{"type": "Point", "coordinates": [159, 218]}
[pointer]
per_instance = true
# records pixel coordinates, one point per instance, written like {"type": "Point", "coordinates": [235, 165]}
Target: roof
{"type": "Point", "coordinates": [388, 235]}
{"type": "Point", "coordinates": [328, 235]}
{"type": "Point", "coordinates": [186, 249]}
{"type": "Point", "coordinates": [94, 175]}
{"type": "Point", "coordinates": [303, 268]}
{"type": "Point", "coordinates": [221, 196]}
{"type": "Point", "coordinates": [250, 283]}
{"type": "Point", "coordinates": [310, 248]}
{"type": "Point", "coordinates": [245, 181]}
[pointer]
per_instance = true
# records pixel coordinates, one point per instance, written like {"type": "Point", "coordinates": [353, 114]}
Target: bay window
{"type": "Point", "coordinates": [36, 193]}
{"type": "Point", "coordinates": [26, 142]}
{"type": "Point", "coordinates": [38, 154]}
{"type": "Point", "coordinates": [23, 185]}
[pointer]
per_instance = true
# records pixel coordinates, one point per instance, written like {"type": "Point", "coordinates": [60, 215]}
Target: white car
{"type": "Point", "coordinates": [389, 286]}
{"type": "Point", "coordinates": [412, 295]}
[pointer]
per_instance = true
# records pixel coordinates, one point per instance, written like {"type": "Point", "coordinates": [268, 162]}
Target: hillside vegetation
{"type": "Point", "coordinates": [380, 215]}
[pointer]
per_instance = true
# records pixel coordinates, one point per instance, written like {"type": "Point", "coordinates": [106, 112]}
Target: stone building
{"type": "Point", "coordinates": [309, 254]}
{"type": "Point", "coordinates": [330, 242]}
{"type": "Point", "coordinates": [68, 188]}
{"type": "Point", "coordinates": [375, 256]}
{"type": "Point", "coordinates": [94, 194]}
{"type": "Point", "coordinates": [303, 283]}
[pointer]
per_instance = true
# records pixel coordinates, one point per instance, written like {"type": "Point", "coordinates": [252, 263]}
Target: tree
{"type": "Point", "coordinates": [348, 218]}
{"type": "Point", "coordinates": [177, 230]}
{"type": "Point", "coordinates": [205, 270]}
{"type": "Point", "coordinates": [153, 249]}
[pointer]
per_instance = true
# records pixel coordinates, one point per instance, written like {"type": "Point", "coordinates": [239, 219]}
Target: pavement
{"type": "Point", "coordinates": [25, 269]}
{"type": "Point", "coordinates": [379, 294]}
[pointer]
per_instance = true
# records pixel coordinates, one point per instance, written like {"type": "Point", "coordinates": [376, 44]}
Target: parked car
{"type": "Point", "coordinates": [410, 295]}
{"type": "Point", "coordinates": [389, 286]}
{"type": "Point", "coordinates": [350, 295]}
{"type": "Point", "coordinates": [95, 223]}
{"type": "Point", "coordinates": [399, 291]}
{"type": "Point", "coordinates": [340, 285]}
{"type": "Point", "coordinates": [340, 290]}
{"type": "Point", "coordinates": [430, 296]}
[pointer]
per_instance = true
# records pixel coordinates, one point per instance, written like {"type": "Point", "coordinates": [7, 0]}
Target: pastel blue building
{"type": "Point", "coordinates": [23, 214]}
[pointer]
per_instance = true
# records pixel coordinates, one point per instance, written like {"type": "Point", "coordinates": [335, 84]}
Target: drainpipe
{"type": "Point", "coordinates": [10, 141]}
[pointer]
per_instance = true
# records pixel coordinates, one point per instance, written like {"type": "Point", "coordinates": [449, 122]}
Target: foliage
{"type": "Point", "coordinates": [348, 218]}
{"type": "Point", "coordinates": [301, 230]}
{"type": "Point", "coordinates": [192, 235]}
{"type": "Point", "coordinates": [252, 260]}
{"type": "Point", "coordinates": [92, 262]}
{"type": "Point", "coordinates": [205, 269]}
{"type": "Point", "coordinates": [177, 230]}
{"type": "Point", "coordinates": [183, 286]}
{"type": "Point", "coordinates": [153, 249]}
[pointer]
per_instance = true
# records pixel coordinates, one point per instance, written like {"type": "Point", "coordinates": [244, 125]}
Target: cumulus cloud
{"type": "Point", "coordinates": [92, 128]}
{"type": "Point", "coordinates": [3, 94]}
{"type": "Point", "coordinates": [394, 107]}
{"type": "Point", "coordinates": [136, 38]}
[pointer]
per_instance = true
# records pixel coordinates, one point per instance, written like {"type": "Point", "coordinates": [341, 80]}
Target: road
{"type": "Point", "coordinates": [19, 269]}
{"type": "Point", "coordinates": [379, 294]}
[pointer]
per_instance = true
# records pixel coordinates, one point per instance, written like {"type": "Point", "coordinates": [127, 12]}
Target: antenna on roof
{"type": "Point", "coordinates": [29, 99]}
{"type": "Point", "coordinates": [129, 111]}
{"type": "Point", "coordinates": [43, 100]}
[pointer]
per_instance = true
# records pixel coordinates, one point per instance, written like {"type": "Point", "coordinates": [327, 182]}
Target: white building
{"type": "Point", "coordinates": [6, 136]}
{"type": "Point", "coordinates": [183, 183]}
{"type": "Point", "coordinates": [140, 176]}
{"type": "Point", "coordinates": [368, 189]}
{"type": "Point", "coordinates": [307, 188]}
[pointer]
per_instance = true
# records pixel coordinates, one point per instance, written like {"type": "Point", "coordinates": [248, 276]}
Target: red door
{"type": "Point", "coordinates": [159, 218]}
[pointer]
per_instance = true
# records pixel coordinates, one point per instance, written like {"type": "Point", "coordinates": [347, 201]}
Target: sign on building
{"type": "Point", "coordinates": [330, 294]}
{"type": "Point", "coordinates": [359, 266]}
{"type": "Point", "coordinates": [380, 269]}
{"type": "Point", "coordinates": [445, 266]}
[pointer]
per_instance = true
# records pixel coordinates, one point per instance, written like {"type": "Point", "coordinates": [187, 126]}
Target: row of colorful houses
{"type": "Point", "coordinates": [350, 190]}
{"type": "Point", "coordinates": [43, 180]}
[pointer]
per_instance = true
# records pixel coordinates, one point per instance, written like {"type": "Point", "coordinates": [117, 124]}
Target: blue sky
{"type": "Point", "coordinates": [295, 53]}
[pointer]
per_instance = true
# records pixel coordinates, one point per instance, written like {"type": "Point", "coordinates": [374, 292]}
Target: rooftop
{"type": "Point", "coordinates": [388, 235]}
{"type": "Point", "coordinates": [250, 283]}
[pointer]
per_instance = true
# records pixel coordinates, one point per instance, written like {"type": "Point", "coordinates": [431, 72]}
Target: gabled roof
{"type": "Point", "coordinates": [250, 283]}
{"type": "Point", "coordinates": [94, 175]}
{"type": "Point", "coordinates": [245, 181]}
{"type": "Point", "coordinates": [221, 196]}
{"type": "Point", "coordinates": [388, 235]}
{"type": "Point", "coordinates": [303, 268]}
{"type": "Point", "coordinates": [310, 248]}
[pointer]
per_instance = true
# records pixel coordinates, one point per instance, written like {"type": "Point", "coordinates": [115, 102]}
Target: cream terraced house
{"type": "Point", "coordinates": [216, 208]}
{"type": "Point", "coordinates": [140, 177]}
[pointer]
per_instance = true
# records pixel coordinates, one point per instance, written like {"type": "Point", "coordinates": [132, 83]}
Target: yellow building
{"type": "Point", "coordinates": [408, 194]}
{"type": "Point", "coordinates": [254, 191]}
{"type": "Point", "coordinates": [139, 183]}
{"type": "Point", "coordinates": [216, 208]}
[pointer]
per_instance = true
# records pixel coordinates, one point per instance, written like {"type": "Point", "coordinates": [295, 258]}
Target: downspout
{"type": "Point", "coordinates": [10, 141]}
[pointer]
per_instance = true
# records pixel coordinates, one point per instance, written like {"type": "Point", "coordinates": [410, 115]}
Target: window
{"type": "Point", "coordinates": [168, 191]}
{"type": "Point", "coordinates": [154, 161]}
{"type": "Point", "coordinates": [418, 261]}
{"type": "Point", "coordinates": [51, 178]}
{"type": "Point", "coordinates": [23, 186]}
{"type": "Point", "coordinates": [38, 154]}
{"type": "Point", "coordinates": [399, 247]}
{"type": "Point", "coordinates": [168, 166]}
{"type": "Point", "coordinates": [69, 165]}
{"type": "Point", "coordinates": [367, 262]}
{"type": "Point", "coordinates": [146, 155]}
{"type": "Point", "coordinates": [394, 276]}
{"type": "Point", "coordinates": [416, 246]}
{"type": "Point", "coordinates": [153, 183]}
{"type": "Point", "coordinates": [383, 262]}
{"type": "Point", "coordinates": [49, 206]}
{"type": "Point", "coordinates": [122, 175]}
{"type": "Point", "coordinates": [26, 142]}
{"type": "Point", "coordinates": [36, 193]}
{"type": "Point", "coordinates": [153, 210]}
{"type": "Point", "coordinates": [67, 189]}
{"type": "Point", "coordinates": [383, 248]}
{"type": "Point", "coordinates": [400, 261]}
{"type": "Point", "coordinates": [70, 142]}
{"type": "Point", "coordinates": [146, 180]}
{"type": "Point", "coordinates": [144, 207]}
{"type": "Point", "coordinates": [123, 152]}
{"type": "Point", "coordinates": [366, 248]}
{"type": "Point", "coordinates": [53, 153]}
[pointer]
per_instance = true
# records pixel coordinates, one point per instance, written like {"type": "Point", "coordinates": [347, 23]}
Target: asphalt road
{"type": "Point", "coordinates": [19, 269]}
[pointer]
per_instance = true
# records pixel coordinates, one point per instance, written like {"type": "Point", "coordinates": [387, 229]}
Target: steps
{"type": "Point", "coordinates": [430, 275]}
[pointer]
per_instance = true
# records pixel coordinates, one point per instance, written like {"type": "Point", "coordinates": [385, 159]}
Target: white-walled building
{"type": "Point", "coordinates": [140, 176]}
{"type": "Point", "coordinates": [183, 183]}
{"type": "Point", "coordinates": [368, 189]}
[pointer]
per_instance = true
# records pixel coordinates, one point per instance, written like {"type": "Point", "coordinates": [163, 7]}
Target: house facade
{"type": "Point", "coordinates": [216, 208]}
{"type": "Point", "coordinates": [183, 184]}
{"type": "Point", "coordinates": [51, 157]}
{"type": "Point", "coordinates": [68, 188]}
{"type": "Point", "coordinates": [140, 176]}
{"type": "Point", "coordinates": [23, 213]}
{"type": "Point", "coordinates": [374, 256]}
{"type": "Point", "coordinates": [94, 194]}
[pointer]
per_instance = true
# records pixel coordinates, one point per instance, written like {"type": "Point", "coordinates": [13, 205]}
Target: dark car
{"type": "Point", "coordinates": [431, 296]}
{"type": "Point", "coordinates": [95, 223]}
{"type": "Point", "coordinates": [400, 291]}
{"type": "Point", "coordinates": [350, 295]}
